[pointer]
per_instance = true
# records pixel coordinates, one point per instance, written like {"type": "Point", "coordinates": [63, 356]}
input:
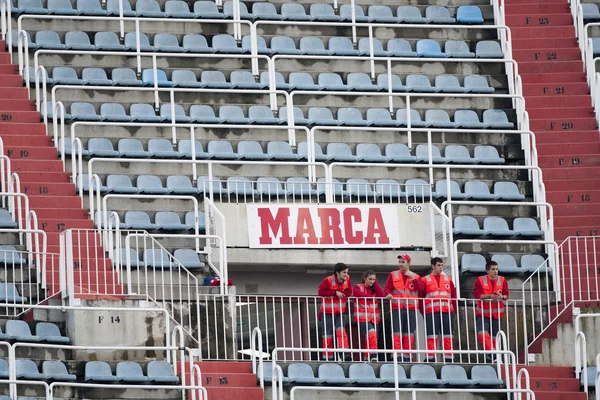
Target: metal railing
{"type": "Point", "coordinates": [216, 249]}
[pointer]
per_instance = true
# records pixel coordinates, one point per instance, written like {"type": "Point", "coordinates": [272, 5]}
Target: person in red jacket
{"type": "Point", "coordinates": [367, 313]}
{"type": "Point", "coordinates": [403, 288]}
{"type": "Point", "coordinates": [491, 290]}
{"type": "Point", "coordinates": [438, 309]}
{"type": "Point", "coordinates": [335, 290]}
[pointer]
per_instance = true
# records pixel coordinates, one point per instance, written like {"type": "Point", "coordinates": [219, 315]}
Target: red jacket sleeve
{"type": "Point", "coordinates": [348, 291]}
{"type": "Point", "coordinates": [423, 291]}
{"type": "Point", "coordinates": [324, 289]}
{"type": "Point", "coordinates": [378, 290]}
{"type": "Point", "coordinates": [505, 289]}
{"type": "Point", "coordinates": [356, 292]}
{"type": "Point", "coordinates": [453, 294]}
{"type": "Point", "coordinates": [389, 286]}
{"type": "Point", "coordinates": [477, 289]}
{"type": "Point", "coordinates": [419, 285]}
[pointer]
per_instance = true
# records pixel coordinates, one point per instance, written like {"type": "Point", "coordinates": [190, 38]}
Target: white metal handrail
{"type": "Point", "coordinates": [581, 358]}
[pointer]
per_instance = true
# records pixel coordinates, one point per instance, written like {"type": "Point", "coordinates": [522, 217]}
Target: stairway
{"type": "Point", "coordinates": [231, 380]}
{"type": "Point", "coordinates": [554, 383]}
{"type": "Point", "coordinates": [51, 194]}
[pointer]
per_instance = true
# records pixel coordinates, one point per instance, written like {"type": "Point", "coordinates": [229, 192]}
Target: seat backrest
{"type": "Point", "coordinates": [299, 370]}
{"type": "Point", "coordinates": [531, 262]}
{"type": "Point", "coordinates": [505, 260]}
{"type": "Point", "coordinates": [260, 112]}
{"type": "Point", "coordinates": [464, 116]}
{"type": "Point", "coordinates": [195, 41]}
{"type": "Point", "coordinates": [358, 78]}
{"type": "Point", "coordinates": [159, 368]}
{"type": "Point", "coordinates": [455, 151]}
{"type": "Point", "coordinates": [93, 73]}
{"type": "Point", "coordinates": [172, 6]}
{"type": "Point", "coordinates": [159, 144]}
{"type": "Point", "coordinates": [494, 116]}
{"type": "Point", "coordinates": [261, 43]}
{"type": "Point", "coordinates": [186, 256]}
{"type": "Point", "coordinates": [386, 372]}
{"type": "Point", "coordinates": [456, 46]}
{"type": "Point", "coordinates": [165, 39]}
{"type": "Point", "coordinates": [219, 146]}
{"type": "Point", "coordinates": [300, 78]}
{"type": "Point", "coordinates": [201, 7]}
{"type": "Point", "coordinates": [408, 12]}
{"type": "Point", "coordinates": [9, 290]}
{"type": "Point", "coordinates": [483, 373]}
{"type": "Point", "coordinates": [249, 147]}
{"type": "Point", "coordinates": [290, 9]}
{"type": "Point", "coordinates": [297, 112]}
{"type": "Point", "coordinates": [64, 73]}
{"type": "Point", "coordinates": [282, 43]}
{"type": "Point", "coordinates": [346, 11]}
{"type": "Point", "coordinates": [81, 108]}
{"type": "Point", "coordinates": [364, 45]}
{"type": "Point", "coordinates": [422, 150]}
{"type": "Point", "coordinates": [379, 11]}
{"type": "Point", "coordinates": [349, 114]}
{"type": "Point", "coordinates": [472, 13]}
{"type": "Point", "coordinates": [121, 74]}
{"type": "Point", "coordinates": [136, 217]}
{"type": "Point", "coordinates": [118, 180]}
{"type": "Point", "coordinates": [46, 37]}
{"type": "Point", "coordinates": [200, 110]}
{"type": "Point", "coordinates": [428, 46]}
{"type": "Point", "coordinates": [422, 371]}
{"type": "Point", "coordinates": [88, 5]}
{"type": "Point", "coordinates": [368, 149]}
{"type": "Point", "coordinates": [223, 41]}
{"type": "Point", "coordinates": [130, 40]}
{"type": "Point", "coordinates": [58, 4]}
{"type": "Point", "coordinates": [329, 371]}
{"type": "Point", "coordinates": [157, 257]}
{"type": "Point", "coordinates": [231, 112]}
{"type": "Point", "coordinates": [17, 327]}
{"type": "Point", "coordinates": [279, 147]}
{"type": "Point", "coordinates": [338, 149]}
{"type": "Point", "coordinates": [330, 78]}
{"type": "Point", "coordinates": [139, 110]}
{"type": "Point", "coordinates": [401, 116]}
{"type": "Point", "coordinates": [322, 113]}
{"type": "Point", "coordinates": [486, 152]}
{"type": "Point", "coordinates": [382, 80]}
{"type": "Point", "coordinates": [148, 181]}
{"type": "Point", "coordinates": [378, 114]}
{"type": "Point", "coordinates": [26, 367]}
{"type": "Point", "coordinates": [264, 8]}
{"type": "Point", "coordinates": [113, 6]}
{"type": "Point", "coordinates": [417, 187]}
{"type": "Point", "coordinates": [77, 38]}
{"type": "Point", "coordinates": [433, 12]}
{"type": "Point", "coordinates": [446, 81]}
{"type": "Point", "coordinates": [397, 150]}
{"type": "Point", "coordinates": [454, 373]}
{"type": "Point", "coordinates": [129, 368]}
{"type": "Point", "coordinates": [239, 184]}
{"type": "Point", "coordinates": [54, 367]}
{"type": "Point", "coordinates": [146, 5]}
{"type": "Point", "coordinates": [340, 43]}
{"type": "Point", "coordinates": [358, 371]}
{"type": "Point", "coordinates": [311, 43]}
{"type": "Point", "coordinates": [212, 77]}
{"type": "Point", "coordinates": [525, 224]}
{"type": "Point", "coordinates": [47, 329]}
{"type": "Point", "coordinates": [506, 188]}
{"type": "Point", "coordinates": [399, 45]}
{"type": "Point", "coordinates": [488, 47]}
{"type": "Point", "coordinates": [241, 77]}
{"type": "Point", "coordinates": [437, 116]}
{"type": "Point", "coordinates": [303, 149]}
{"type": "Point", "coordinates": [319, 10]}
{"type": "Point", "coordinates": [476, 187]}
{"type": "Point", "coordinates": [417, 80]}
{"type": "Point", "coordinates": [165, 112]}
{"type": "Point", "coordinates": [228, 8]}
{"type": "Point", "coordinates": [495, 224]}
{"type": "Point", "coordinates": [465, 221]}
{"type": "Point", "coordinates": [97, 368]}
{"type": "Point", "coordinates": [179, 181]}
{"type": "Point", "coordinates": [475, 81]}
{"type": "Point", "coordinates": [166, 217]}
{"type": "Point", "coordinates": [183, 75]}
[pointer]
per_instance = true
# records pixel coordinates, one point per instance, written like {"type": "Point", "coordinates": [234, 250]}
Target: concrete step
{"type": "Point", "coordinates": [54, 202]}
{"type": "Point", "coordinates": [59, 225]}
{"type": "Point", "coordinates": [561, 234]}
{"type": "Point", "coordinates": [575, 147]}
{"type": "Point", "coordinates": [543, 31]}
{"type": "Point", "coordinates": [544, 371]}
{"type": "Point", "coordinates": [558, 395]}
{"type": "Point", "coordinates": [574, 197]}
{"type": "Point", "coordinates": [559, 173]}
{"type": "Point", "coordinates": [8, 116]}
{"type": "Point", "coordinates": [544, 43]}
{"type": "Point", "coordinates": [50, 189]}
{"type": "Point", "coordinates": [566, 136]}
{"type": "Point", "coordinates": [575, 209]}
{"type": "Point", "coordinates": [549, 55]}
{"type": "Point", "coordinates": [557, 77]}
{"type": "Point", "coordinates": [10, 80]}
{"type": "Point", "coordinates": [37, 165]}
{"type": "Point", "coordinates": [569, 160]}
{"type": "Point", "coordinates": [235, 393]}
{"type": "Point", "coordinates": [564, 89]}
{"type": "Point", "coordinates": [577, 220]}
{"type": "Point", "coordinates": [229, 379]}
{"type": "Point", "coordinates": [61, 213]}
{"type": "Point", "coordinates": [38, 176]}
{"type": "Point", "coordinates": [4, 56]}
{"type": "Point", "coordinates": [537, 9]}
{"type": "Point", "coordinates": [8, 69]}
{"type": "Point", "coordinates": [538, 67]}
{"type": "Point", "coordinates": [27, 140]}
{"type": "Point", "coordinates": [547, 113]}
{"type": "Point", "coordinates": [31, 153]}
{"type": "Point", "coordinates": [533, 102]}
{"type": "Point", "coordinates": [553, 384]}
{"type": "Point", "coordinates": [541, 19]}
{"type": "Point", "coordinates": [17, 105]}
{"type": "Point", "coordinates": [23, 129]}
{"type": "Point", "coordinates": [566, 185]}
{"type": "Point", "coordinates": [563, 124]}
{"type": "Point", "coordinates": [219, 367]}
{"type": "Point", "coordinates": [14, 93]}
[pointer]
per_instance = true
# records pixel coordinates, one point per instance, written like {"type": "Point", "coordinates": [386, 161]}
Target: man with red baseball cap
{"type": "Point", "coordinates": [403, 287]}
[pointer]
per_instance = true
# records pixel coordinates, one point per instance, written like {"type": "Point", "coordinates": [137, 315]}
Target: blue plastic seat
{"type": "Point", "coordinates": [438, 15]}
{"type": "Point", "coordinates": [251, 150]}
{"type": "Point", "coordinates": [120, 184]}
{"type": "Point", "coordinates": [487, 155]}
{"type": "Point", "coordinates": [76, 40]}
{"type": "Point", "coordinates": [410, 15]}
{"type": "Point", "coordinates": [280, 83]}
{"type": "Point", "coordinates": [294, 12]}
{"type": "Point", "coordinates": [477, 84]}
{"type": "Point", "coordinates": [323, 12]}
{"type": "Point", "coordinates": [270, 187]}
{"type": "Point", "coordinates": [363, 374]}
{"type": "Point", "coordinates": [266, 11]}
{"type": "Point", "coordinates": [261, 45]}
{"type": "Point", "coordinates": [150, 184]}
{"type": "Point", "coordinates": [95, 77]}
{"type": "Point", "coordinates": [148, 8]}
{"type": "Point", "coordinates": [228, 10]}
{"type": "Point", "coordinates": [184, 148]}
{"type": "Point", "coordinates": [101, 216]}
{"type": "Point", "coordinates": [321, 116]}
{"type": "Point", "coordinates": [468, 119]}
{"type": "Point", "coordinates": [359, 188]}
{"type": "Point", "coordinates": [507, 263]}
{"type": "Point", "coordinates": [243, 80]}
{"type": "Point", "coordinates": [57, 371]}
{"type": "Point", "coordinates": [101, 147]}
{"type": "Point", "coordinates": [317, 150]}
{"type": "Point", "coordinates": [284, 45]}
{"type": "Point", "coordinates": [469, 15]}
{"type": "Point", "coordinates": [448, 84]}
{"type": "Point", "coordinates": [298, 116]}
{"type": "Point", "coordinates": [157, 258]}
{"type": "Point", "coordinates": [332, 374]}
{"type": "Point", "coordinates": [364, 48]}
{"type": "Point", "coordinates": [300, 188]}
{"type": "Point", "coordinates": [531, 263]}
{"type": "Point", "coordinates": [399, 153]}
{"type": "Point", "coordinates": [130, 372]}
{"type": "Point", "coordinates": [341, 46]}
{"type": "Point", "coordinates": [497, 226]}
{"type": "Point", "coordinates": [485, 375]}
{"type": "Point", "coordinates": [359, 13]}
{"type": "Point", "coordinates": [590, 13]}
{"type": "Point", "coordinates": [369, 152]}
{"type": "Point", "coordinates": [302, 81]}
{"type": "Point", "coordinates": [9, 293]}
{"type": "Point", "coordinates": [108, 41]}
{"type": "Point", "coordinates": [419, 83]}
{"type": "Point", "coordinates": [466, 225]}
{"type": "Point", "coordinates": [262, 115]}
{"type": "Point", "coordinates": [455, 375]}
{"type": "Point", "coordinates": [68, 146]}
{"type": "Point", "coordinates": [302, 374]}
{"type": "Point", "coordinates": [143, 113]}
{"type": "Point", "coordinates": [382, 14]}
{"type": "Point", "coordinates": [457, 49]}
{"type": "Point", "coordinates": [507, 191]}
{"type": "Point", "coordinates": [112, 8]}
{"type": "Point", "coordinates": [131, 148]}
{"type": "Point", "coordinates": [415, 118]}
{"type": "Point", "coordinates": [30, 44]}
{"type": "Point", "coordinates": [221, 149]}
{"type": "Point", "coordinates": [26, 369]}
{"type": "Point", "coordinates": [168, 221]}
{"type": "Point", "coordinates": [497, 119]}
{"type": "Point", "coordinates": [383, 83]}
{"type": "Point", "coordinates": [214, 80]}
{"type": "Point", "coordinates": [98, 371]}
{"type": "Point", "coordinates": [400, 48]}
{"type": "Point", "coordinates": [313, 46]}
{"type": "Point", "coordinates": [4, 367]}
{"type": "Point", "coordinates": [81, 111]}
{"type": "Point", "coordinates": [196, 43]}
{"type": "Point", "coordinates": [438, 119]}
{"type": "Point", "coordinates": [125, 77]}
{"type": "Point", "coordinates": [351, 117]}
{"type": "Point", "coordinates": [232, 115]}
{"type": "Point", "coordinates": [388, 189]}
{"type": "Point", "coordinates": [167, 42]}
{"type": "Point", "coordinates": [6, 220]}
{"type": "Point", "coordinates": [31, 7]}
{"type": "Point", "coordinates": [48, 40]}
{"type": "Point", "coordinates": [240, 186]}
{"type": "Point", "coordinates": [331, 81]}
{"type": "Point", "coordinates": [50, 333]}
{"type": "Point", "coordinates": [138, 220]}
{"type": "Point", "coordinates": [65, 76]}
{"type": "Point", "coordinates": [340, 152]}
{"type": "Point", "coordinates": [361, 82]}
{"type": "Point", "coordinates": [180, 184]}
{"type": "Point", "coordinates": [380, 117]}
{"type": "Point", "coordinates": [429, 48]}
{"type": "Point", "coordinates": [185, 78]}
{"type": "Point", "coordinates": [207, 10]}
{"type": "Point", "coordinates": [424, 375]}
{"type": "Point", "coordinates": [161, 372]}
{"type": "Point", "coordinates": [190, 260]}
{"type": "Point", "coordinates": [478, 190]}
{"type": "Point", "coordinates": [386, 374]}
{"type": "Point", "coordinates": [178, 9]}
{"type": "Point", "coordinates": [90, 7]}
{"type": "Point", "coordinates": [205, 185]}
{"type": "Point", "coordinates": [527, 227]}
{"type": "Point", "coordinates": [422, 154]}
{"type": "Point", "coordinates": [48, 108]}
{"type": "Point", "coordinates": [203, 114]}
{"type": "Point", "coordinates": [180, 117]}
{"type": "Point", "coordinates": [418, 188]}
{"type": "Point", "coordinates": [19, 331]}
{"type": "Point", "coordinates": [224, 43]}
{"type": "Point", "coordinates": [456, 154]}
{"type": "Point", "coordinates": [83, 185]}
{"type": "Point", "coordinates": [161, 148]}
{"type": "Point", "coordinates": [131, 44]}
{"type": "Point", "coordinates": [486, 49]}
{"type": "Point", "coordinates": [338, 188]}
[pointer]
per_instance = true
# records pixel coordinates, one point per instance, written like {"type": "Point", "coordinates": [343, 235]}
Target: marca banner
{"type": "Point", "coordinates": [322, 226]}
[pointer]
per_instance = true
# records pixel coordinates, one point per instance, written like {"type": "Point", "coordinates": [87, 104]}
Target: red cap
{"type": "Point", "coordinates": [404, 257]}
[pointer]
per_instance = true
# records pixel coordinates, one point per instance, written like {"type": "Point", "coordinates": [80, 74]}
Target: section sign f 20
{"type": "Point", "coordinates": [323, 226]}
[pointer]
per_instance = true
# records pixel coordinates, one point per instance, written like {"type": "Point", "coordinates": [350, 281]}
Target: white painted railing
{"type": "Point", "coordinates": [581, 355]}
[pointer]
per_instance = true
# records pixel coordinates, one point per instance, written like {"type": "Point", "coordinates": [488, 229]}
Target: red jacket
{"type": "Point", "coordinates": [325, 291]}
{"type": "Point", "coordinates": [389, 285]}
{"type": "Point", "coordinates": [478, 289]}
{"type": "Point", "coordinates": [376, 291]}
{"type": "Point", "coordinates": [423, 293]}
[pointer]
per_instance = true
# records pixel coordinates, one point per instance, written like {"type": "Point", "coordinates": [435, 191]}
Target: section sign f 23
{"type": "Point", "coordinates": [323, 226]}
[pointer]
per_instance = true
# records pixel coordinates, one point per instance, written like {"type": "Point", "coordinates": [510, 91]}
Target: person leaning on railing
{"type": "Point", "coordinates": [335, 290]}
{"type": "Point", "coordinates": [367, 313]}
{"type": "Point", "coordinates": [491, 290]}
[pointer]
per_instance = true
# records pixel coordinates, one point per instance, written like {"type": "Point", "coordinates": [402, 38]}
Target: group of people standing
{"type": "Point", "coordinates": [434, 295]}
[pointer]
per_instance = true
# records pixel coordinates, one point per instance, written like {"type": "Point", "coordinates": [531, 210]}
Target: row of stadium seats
{"type": "Point", "coordinates": [263, 115]}
{"type": "Point", "coordinates": [301, 187]}
{"type": "Point", "coordinates": [475, 263]}
{"type": "Point", "coordinates": [159, 258]}
{"type": "Point", "coordinates": [281, 151]}
{"type": "Point", "coordinates": [496, 226]}
{"type": "Point", "coordinates": [357, 81]}
{"type": "Point", "coordinates": [283, 45]}
{"type": "Point", "coordinates": [19, 331]}
{"type": "Point", "coordinates": [364, 374]}
{"type": "Point", "coordinates": [260, 11]}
